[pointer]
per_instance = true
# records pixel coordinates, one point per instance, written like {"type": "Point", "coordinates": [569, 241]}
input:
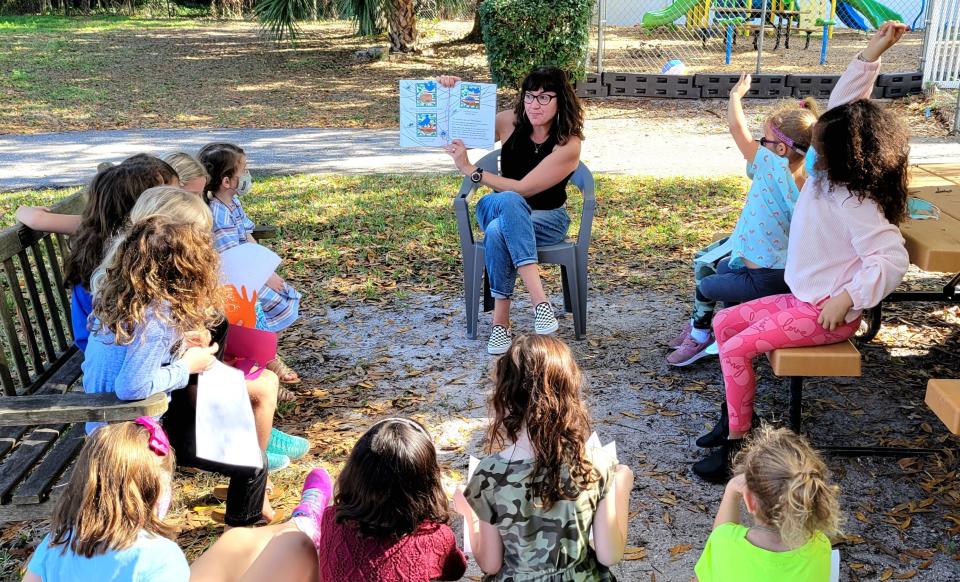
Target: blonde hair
{"type": "Point", "coordinates": [791, 484]}
{"type": "Point", "coordinates": [187, 167]}
{"type": "Point", "coordinates": [174, 204]}
{"type": "Point", "coordinates": [796, 121]}
{"type": "Point", "coordinates": [112, 493]}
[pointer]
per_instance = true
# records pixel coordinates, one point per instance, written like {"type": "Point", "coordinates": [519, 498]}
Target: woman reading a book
{"type": "Point", "coordinates": [541, 139]}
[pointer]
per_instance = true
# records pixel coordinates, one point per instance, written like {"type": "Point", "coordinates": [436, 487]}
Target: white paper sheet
{"type": "Point", "coordinates": [433, 116]}
{"type": "Point", "coordinates": [225, 429]}
{"type": "Point", "coordinates": [835, 566]}
{"type": "Point", "coordinates": [466, 538]}
{"type": "Point", "coordinates": [248, 265]}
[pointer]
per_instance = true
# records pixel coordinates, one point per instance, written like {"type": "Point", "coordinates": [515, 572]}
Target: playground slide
{"type": "Point", "coordinates": [850, 17]}
{"type": "Point", "coordinates": [670, 14]}
{"type": "Point", "coordinates": [874, 11]}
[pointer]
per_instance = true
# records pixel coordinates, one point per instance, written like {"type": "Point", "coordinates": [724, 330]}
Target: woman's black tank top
{"type": "Point", "coordinates": [519, 155]}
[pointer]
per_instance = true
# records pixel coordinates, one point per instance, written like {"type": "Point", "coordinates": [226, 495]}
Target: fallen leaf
{"type": "Point", "coordinates": [886, 574]}
{"type": "Point", "coordinates": [680, 549]}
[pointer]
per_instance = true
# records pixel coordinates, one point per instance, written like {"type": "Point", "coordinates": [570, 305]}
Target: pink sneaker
{"type": "Point", "coordinates": [678, 341]}
{"type": "Point", "coordinates": [690, 351]}
{"type": "Point", "coordinates": [317, 493]}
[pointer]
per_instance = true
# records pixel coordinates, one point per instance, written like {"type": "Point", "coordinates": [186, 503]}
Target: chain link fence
{"type": "Point", "coordinates": [769, 36]}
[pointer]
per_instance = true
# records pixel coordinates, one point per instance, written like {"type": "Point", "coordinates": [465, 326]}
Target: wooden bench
{"type": "Point", "coordinates": [943, 398]}
{"type": "Point", "coordinates": [835, 360]}
{"type": "Point", "coordinates": [41, 427]}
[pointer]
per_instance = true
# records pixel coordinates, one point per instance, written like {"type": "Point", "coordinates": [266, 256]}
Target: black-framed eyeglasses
{"type": "Point", "coordinates": [542, 98]}
{"type": "Point", "coordinates": [769, 142]}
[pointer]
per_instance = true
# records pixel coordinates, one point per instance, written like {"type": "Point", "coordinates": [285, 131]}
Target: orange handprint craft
{"type": "Point", "coordinates": [240, 309]}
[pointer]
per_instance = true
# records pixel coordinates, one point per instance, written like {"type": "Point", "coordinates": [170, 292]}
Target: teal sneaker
{"type": "Point", "coordinates": [287, 444]}
{"type": "Point", "coordinates": [277, 462]}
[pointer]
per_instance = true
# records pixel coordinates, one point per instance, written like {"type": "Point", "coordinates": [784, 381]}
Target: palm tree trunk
{"type": "Point", "coordinates": [476, 33]}
{"type": "Point", "coordinates": [402, 26]}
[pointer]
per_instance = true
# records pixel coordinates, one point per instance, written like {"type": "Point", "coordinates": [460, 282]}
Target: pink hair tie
{"type": "Point", "coordinates": [803, 104]}
{"type": "Point", "coordinates": [158, 442]}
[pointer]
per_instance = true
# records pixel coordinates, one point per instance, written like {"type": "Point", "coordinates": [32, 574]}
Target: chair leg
{"type": "Point", "coordinates": [796, 403]}
{"type": "Point", "coordinates": [473, 297]}
{"type": "Point", "coordinates": [583, 283]}
{"type": "Point", "coordinates": [573, 285]}
{"type": "Point", "coordinates": [564, 280]}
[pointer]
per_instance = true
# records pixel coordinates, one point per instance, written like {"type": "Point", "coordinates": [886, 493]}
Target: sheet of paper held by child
{"type": "Point", "coordinates": [433, 116]}
{"type": "Point", "coordinates": [244, 270]}
{"type": "Point", "coordinates": [592, 443]}
{"type": "Point", "coordinates": [226, 432]}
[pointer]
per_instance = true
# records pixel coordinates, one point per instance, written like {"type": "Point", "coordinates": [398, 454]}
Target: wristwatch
{"type": "Point", "coordinates": [477, 175]}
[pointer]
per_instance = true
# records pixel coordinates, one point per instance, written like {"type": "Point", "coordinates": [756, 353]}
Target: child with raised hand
{"type": "Point", "coordinates": [108, 523]}
{"type": "Point", "coordinates": [750, 263]}
{"type": "Point", "coordinates": [531, 507]}
{"type": "Point", "coordinates": [784, 485]}
{"type": "Point", "coordinates": [387, 524]}
{"type": "Point", "coordinates": [845, 252]}
{"type": "Point", "coordinates": [229, 180]}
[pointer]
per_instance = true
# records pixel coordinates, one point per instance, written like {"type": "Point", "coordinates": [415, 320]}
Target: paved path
{"type": "Point", "coordinates": [612, 146]}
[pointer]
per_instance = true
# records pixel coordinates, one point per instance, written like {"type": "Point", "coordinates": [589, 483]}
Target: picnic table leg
{"type": "Point", "coordinates": [876, 315]}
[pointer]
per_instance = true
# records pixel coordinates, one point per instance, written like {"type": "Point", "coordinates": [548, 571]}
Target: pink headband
{"type": "Point", "coordinates": [786, 140]}
{"type": "Point", "coordinates": [158, 442]}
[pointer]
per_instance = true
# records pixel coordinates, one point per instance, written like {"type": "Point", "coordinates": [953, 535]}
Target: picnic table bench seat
{"type": "Point", "coordinates": [943, 398]}
{"type": "Point", "coordinates": [42, 407]}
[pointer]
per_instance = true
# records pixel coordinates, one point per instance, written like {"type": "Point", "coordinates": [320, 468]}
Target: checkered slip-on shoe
{"type": "Point", "coordinates": [544, 321]}
{"type": "Point", "coordinates": [499, 341]}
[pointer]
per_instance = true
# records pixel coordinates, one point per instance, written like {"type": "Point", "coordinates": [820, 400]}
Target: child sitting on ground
{"type": "Point", "coordinates": [108, 523]}
{"type": "Point", "coordinates": [749, 264]}
{"type": "Point", "coordinates": [387, 524]}
{"type": "Point", "coordinates": [531, 507]}
{"type": "Point", "coordinates": [226, 164]}
{"type": "Point", "coordinates": [845, 252]}
{"type": "Point", "coordinates": [783, 484]}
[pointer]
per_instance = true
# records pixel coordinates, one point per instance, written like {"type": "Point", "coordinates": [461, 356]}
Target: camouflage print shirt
{"type": "Point", "coordinates": [540, 546]}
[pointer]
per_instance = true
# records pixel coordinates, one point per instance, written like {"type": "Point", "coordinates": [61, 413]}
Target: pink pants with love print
{"type": "Point", "coordinates": [747, 330]}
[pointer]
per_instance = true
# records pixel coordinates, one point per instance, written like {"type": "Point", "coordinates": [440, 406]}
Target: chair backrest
{"type": "Point", "coordinates": [582, 178]}
{"type": "Point", "coordinates": [34, 307]}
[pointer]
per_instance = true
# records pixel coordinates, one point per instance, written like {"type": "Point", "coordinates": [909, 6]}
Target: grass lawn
{"type": "Point", "coordinates": [372, 236]}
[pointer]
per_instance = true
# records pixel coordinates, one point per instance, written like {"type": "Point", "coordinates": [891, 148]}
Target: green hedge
{"type": "Point", "coordinates": [521, 35]}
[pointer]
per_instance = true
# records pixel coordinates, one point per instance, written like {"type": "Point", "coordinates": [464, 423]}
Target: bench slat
{"type": "Point", "coordinates": [13, 344]}
{"type": "Point", "coordinates": [77, 407]}
{"type": "Point", "coordinates": [55, 311]}
{"type": "Point", "coordinates": [66, 374]}
{"type": "Point", "coordinates": [9, 435]}
{"type": "Point", "coordinates": [840, 359]}
{"type": "Point", "coordinates": [39, 313]}
{"type": "Point", "coordinates": [21, 460]}
{"type": "Point", "coordinates": [23, 315]}
{"type": "Point", "coordinates": [6, 379]}
{"type": "Point", "coordinates": [58, 281]}
{"type": "Point", "coordinates": [34, 488]}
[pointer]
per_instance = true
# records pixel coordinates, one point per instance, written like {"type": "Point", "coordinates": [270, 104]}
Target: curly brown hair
{"type": "Point", "coordinates": [537, 389]}
{"type": "Point", "coordinates": [169, 269]}
{"type": "Point", "coordinates": [865, 148]}
{"type": "Point", "coordinates": [391, 484]}
{"type": "Point", "coordinates": [110, 197]}
{"type": "Point", "coordinates": [569, 121]}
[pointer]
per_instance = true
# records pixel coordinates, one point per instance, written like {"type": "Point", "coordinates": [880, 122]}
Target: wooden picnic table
{"type": "Point", "coordinates": [775, 17]}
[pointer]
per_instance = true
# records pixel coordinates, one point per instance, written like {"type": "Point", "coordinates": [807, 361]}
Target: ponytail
{"type": "Point", "coordinates": [791, 484]}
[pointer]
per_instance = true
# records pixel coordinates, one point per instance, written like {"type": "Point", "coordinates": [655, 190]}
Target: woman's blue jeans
{"type": "Point", "coordinates": [512, 233]}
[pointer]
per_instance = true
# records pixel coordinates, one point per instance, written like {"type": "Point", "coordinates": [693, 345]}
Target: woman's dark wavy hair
{"type": "Point", "coordinates": [391, 483]}
{"type": "Point", "coordinates": [537, 389]}
{"type": "Point", "coordinates": [110, 197]}
{"type": "Point", "coordinates": [569, 121]}
{"type": "Point", "coordinates": [865, 148]}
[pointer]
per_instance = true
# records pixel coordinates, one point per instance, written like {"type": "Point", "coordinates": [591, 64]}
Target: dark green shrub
{"type": "Point", "coordinates": [521, 35]}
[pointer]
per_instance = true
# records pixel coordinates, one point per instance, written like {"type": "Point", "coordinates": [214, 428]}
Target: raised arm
{"type": "Point", "coordinates": [858, 80]}
{"type": "Point", "coordinates": [737, 122]}
{"type": "Point", "coordinates": [40, 218]}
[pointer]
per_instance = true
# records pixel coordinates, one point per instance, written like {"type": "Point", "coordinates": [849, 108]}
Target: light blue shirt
{"type": "Point", "coordinates": [150, 559]}
{"type": "Point", "coordinates": [136, 370]}
{"type": "Point", "coordinates": [763, 228]}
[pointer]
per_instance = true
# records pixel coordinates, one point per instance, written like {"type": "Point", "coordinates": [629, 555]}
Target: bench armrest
{"type": "Point", "coordinates": [263, 231]}
{"type": "Point", "coordinates": [76, 407]}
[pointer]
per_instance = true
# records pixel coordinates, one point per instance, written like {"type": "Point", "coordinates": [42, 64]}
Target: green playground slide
{"type": "Point", "coordinates": [670, 14]}
{"type": "Point", "coordinates": [874, 11]}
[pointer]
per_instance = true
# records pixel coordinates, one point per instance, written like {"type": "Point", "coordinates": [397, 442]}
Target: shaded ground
{"type": "Point", "coordinates": [74, 74]}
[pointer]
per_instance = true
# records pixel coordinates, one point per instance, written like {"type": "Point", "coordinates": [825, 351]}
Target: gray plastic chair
{"type": "Point", "coordinates": [570, 255]}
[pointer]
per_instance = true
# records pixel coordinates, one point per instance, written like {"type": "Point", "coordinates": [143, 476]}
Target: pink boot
{"type": "Point", "coordinates": [317, 493]}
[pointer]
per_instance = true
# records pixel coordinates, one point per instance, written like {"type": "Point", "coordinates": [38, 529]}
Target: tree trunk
{"type": "Point", "coordinates": [476, 33]}
{"type": "Point", "coordinates": [402, 26]}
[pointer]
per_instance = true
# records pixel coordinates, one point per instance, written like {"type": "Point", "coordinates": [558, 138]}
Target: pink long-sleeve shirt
{"type": "Point", "coordinates": [838, 243]}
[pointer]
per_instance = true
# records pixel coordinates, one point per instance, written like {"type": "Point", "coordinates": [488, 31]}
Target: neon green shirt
{"type": "Point", "coordinates": [730, 556]}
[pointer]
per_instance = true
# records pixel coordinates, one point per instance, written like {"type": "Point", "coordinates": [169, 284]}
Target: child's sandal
{"type": "Point", "coordinates": [285, 395]}
{"type": "Point", "coordinates": [283, 371]}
